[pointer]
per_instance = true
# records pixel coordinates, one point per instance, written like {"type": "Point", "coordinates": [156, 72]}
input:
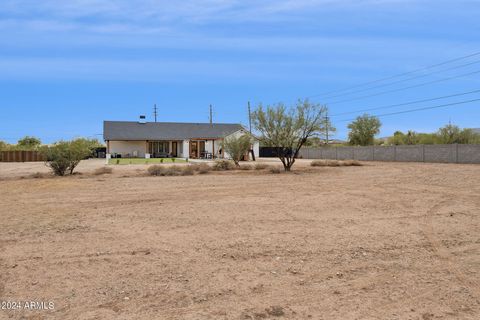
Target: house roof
{"type": "Point", "coordinates": [131, 130]}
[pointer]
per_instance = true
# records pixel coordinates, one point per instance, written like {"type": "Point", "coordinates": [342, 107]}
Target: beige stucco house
{"type": "Point", "coordinates": [130, 139]}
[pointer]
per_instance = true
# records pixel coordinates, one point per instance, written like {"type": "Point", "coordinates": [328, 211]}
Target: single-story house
{"type": "Point", "coordinates": [131, 139]}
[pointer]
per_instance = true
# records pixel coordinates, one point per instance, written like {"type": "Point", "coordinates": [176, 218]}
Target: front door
{"type": "Point", "coordinates": [193, 149]}
{"type": "Point", "coordinates": [174, 149]}
{"type": "Point", "coordinates": [201, 148]}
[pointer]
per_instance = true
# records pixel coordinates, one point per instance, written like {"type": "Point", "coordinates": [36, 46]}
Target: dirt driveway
{"type": "Point", "coordinates": [381, 241]}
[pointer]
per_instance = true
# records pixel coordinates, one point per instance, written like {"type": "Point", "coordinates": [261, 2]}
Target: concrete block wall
{"type": "Point", "coordinates": [362, 153]}
{"type": "Point", "coordinates": [383, 153]}
{"type": "Point", "coordinates": [345, 153]}
{"type": "Point", "coordinates": [469, 153]}
{"type": "Point", "coordinates": [409, 153]}
{"type": "Point", "coordinates": [438, 153]}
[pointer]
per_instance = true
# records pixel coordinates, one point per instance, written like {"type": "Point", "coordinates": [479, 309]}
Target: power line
{"type": "Point", "coordinates": [404, 80]}
{"type": "Point", "coordinates": [249, 118]}
{"type": "Point", "coordinates": [404, 104]}
{"type": "Point", "coordinates": [406, 88]}
{"type": "Point", "coordinates": [419, 109]}
{"type": "Point", "coordinates": [399, 75]}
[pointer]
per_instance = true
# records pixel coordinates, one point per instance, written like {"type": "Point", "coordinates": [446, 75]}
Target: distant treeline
{"type": "Point", "coordinates": [30, 143]}
{"type": "Point", "coordinates": [448, 134]}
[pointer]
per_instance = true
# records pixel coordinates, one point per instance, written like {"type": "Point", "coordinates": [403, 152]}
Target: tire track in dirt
{"type": "Point", "coordinates": [442, 252]}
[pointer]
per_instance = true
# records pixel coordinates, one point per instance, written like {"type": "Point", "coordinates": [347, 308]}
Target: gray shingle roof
{"type": "Point", "coordinates": [130, 130]}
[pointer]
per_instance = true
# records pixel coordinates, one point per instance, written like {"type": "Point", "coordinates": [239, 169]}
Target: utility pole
{"type": "Point", "coordinates": [249, 118]}
{"type": "Point", "coordinates": [211, 115]}
{"type": "Point", "coordinates": [327, 129]}
{"type": "Point", "coordinates": [155, 113]}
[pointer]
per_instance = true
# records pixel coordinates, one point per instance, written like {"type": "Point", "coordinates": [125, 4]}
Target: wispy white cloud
{"type": "Point", "coordinates": [156, 15]}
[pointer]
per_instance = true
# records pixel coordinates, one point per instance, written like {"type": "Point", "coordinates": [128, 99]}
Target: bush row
{"type": "Point", "coordinates": [202, 168]}
{"type": "Point", "coordinates": [335, 163]}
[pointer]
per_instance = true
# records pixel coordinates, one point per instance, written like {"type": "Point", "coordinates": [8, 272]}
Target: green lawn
{"type": "Point", "coordinates": [145, 161]}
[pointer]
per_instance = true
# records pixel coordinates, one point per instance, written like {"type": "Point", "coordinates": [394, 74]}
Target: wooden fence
{"type": "Point", "coordinates": [20, 156]}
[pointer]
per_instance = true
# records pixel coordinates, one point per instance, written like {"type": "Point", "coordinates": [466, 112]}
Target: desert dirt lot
{"type": "Point", "coordinates": [381, 241]}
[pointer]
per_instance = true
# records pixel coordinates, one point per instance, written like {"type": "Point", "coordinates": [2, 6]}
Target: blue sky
{"type": "Point", "coordinates": [65, 66]}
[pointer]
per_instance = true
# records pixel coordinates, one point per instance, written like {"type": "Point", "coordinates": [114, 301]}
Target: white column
{"type": "Point", "coordinates": [186, 149]}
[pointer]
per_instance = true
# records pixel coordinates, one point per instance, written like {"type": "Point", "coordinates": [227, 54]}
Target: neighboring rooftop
{"type": "Point", "coordinates": [132, 130]}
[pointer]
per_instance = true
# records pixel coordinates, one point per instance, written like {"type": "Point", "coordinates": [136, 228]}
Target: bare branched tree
{"type": "Point", "coordinates": [287, 129]}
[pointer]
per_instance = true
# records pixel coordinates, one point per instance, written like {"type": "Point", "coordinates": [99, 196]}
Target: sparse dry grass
{"type": "Point", "coordinates": [40, 175]}
{"type": "Point", "coordinates": [223, 165]}
{"type": "Point", "coordinates": [201, 168]}
{"type": "Point", "coordinates": [103, 170]}
{"type": "Point", "coordinates": [335, 163]}
{"type": "Point", "coordinates": [159, 170]}
{"type": "Point", "coordinates": [245, 167]}
{"type": "Point", "coordinates": [276, 170]}
{"type": "Point", "coordinates": [261, 166]}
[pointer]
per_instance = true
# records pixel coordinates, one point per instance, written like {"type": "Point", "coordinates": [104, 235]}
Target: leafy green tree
{"type": "Point", "coordinates": [80, 149]}
{"type": "Point", "coordinates": [449, 134]}
{"type": "Point", "coordinates": [428, 138]}
{"type": "Point", "coordinates": [58, 157]}
{"type": "Point", "coordinates": [64, 156]}
{"type": "Point", "coordinates": [288, 128]}
{"type": "Point", "coordinates": [237, 147]}
{"type": "Point", "coordinates": [91, 144]}
{"type": "Point", "coordinates": [29, 143]}
{"type": "Point", "coordinates": [3, 145]}
{"type": "Point", "coordinates": [397, 139]}
{"type": "Point", "coordinates": [411, 137]}
{"type": "Point", "coordinates": [468, 136]}
{"type": "Point", "coordinates": [363, 130]}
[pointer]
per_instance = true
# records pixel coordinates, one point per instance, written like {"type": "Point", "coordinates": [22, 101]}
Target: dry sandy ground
{"type": "Point", "coordinates": [382, 241]}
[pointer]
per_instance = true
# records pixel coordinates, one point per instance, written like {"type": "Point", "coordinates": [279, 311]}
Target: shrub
{"type": "Point", "coordinates": [161, 160]}
{"type": "Point", "coordinates": [246, 167]}
{"type": "Point", "coordinates": [261, 166]}
{"type": "Point", "coordinates": [275, 170]}
{"type": "Point", "coordinates": [58, 157]}
{"type": "Point", "coordinates": [173, 160]}
{"type": "Point", "coordinates": [102, 170]}
{"type": "Point", "coordinates": [158, 170]}
{"type": "Point", "coordinates": [335, 163]}
{"type": "Point", "coordinates": [351, 163]}
{"type": "Point", "coordinates": [39, 175]}
{"type": "Point", "coordinates": [64, 156]}
{"type": "Point", "coordinates": [155, 170]}
{"type": "Point", "coordinates": [201, 168]}
{"type": "Point", "coordinates": [186, 170]}
{"type": "Point", "coordinates": [237, 147]}
{"type": "Point", "coordinates": [222, 165]}
{"type": "Point", "coordinates": [318, 163]}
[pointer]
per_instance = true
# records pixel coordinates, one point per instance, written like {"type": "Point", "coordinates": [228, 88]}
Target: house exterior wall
{"type": "Point", "coordinates": [183, 147]}
{"type": "Point", "coordinates": [256, 148]}
{"type": "Point", "coordinates": [128, 147]}
{"type": "Point", "coordinates": [180, 149]}
{"type": "Point", "coordinates": [185, 151]}
{"type": "Point", "coordinates": [218, 147]}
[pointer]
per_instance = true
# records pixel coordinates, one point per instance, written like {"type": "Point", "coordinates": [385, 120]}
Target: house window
{"type": "Point", "coordinates": [158, 148]}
